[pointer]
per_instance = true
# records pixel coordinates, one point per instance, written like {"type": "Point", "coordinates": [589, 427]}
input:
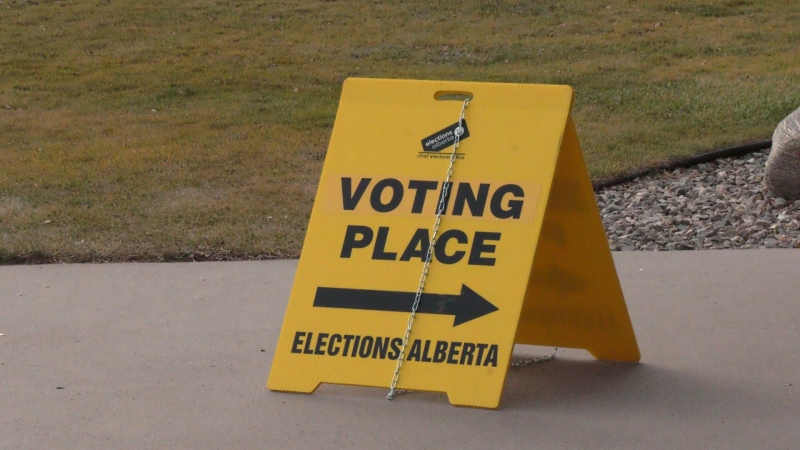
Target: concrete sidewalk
{"type": "Point", "coordinates": [177, 356]}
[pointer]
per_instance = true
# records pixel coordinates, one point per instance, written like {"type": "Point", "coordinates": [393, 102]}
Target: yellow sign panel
{"type": "Point", "coordinates": [521, 255]}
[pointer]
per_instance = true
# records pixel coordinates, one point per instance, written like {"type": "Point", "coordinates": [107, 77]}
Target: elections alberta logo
{"type": "Point", "coordinates": [443, 139]}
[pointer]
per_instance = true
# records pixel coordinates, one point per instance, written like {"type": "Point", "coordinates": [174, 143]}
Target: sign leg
{"type": "Point", "coordinates": [574, 298]}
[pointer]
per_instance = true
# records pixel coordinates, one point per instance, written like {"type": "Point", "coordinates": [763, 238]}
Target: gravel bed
{"type": "Point", "coordinates": [717, 205]}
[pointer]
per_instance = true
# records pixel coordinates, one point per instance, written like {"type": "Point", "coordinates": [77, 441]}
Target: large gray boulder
{"type": "Point", "coordinates": [783, 165]}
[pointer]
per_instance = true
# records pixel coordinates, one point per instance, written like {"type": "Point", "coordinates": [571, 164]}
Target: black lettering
{"type": "Point", "coordinates": [333, 348]}
{"type": "Point", "coordinates": [465, 196]}
{"type": "Point", "coordinates": [453, 353]}
{"type": "Point", "coordinates": [350, 199]}
{"type": "Point", "coordinates": [351, 241]}
{"type": "Point", "coordinates": [396, 344]}
{"type": "Point", "coordinates": [375, 199]}
{"type": "Point", "coordinates": [425, 357]}
{"type": "Point", "coordinates": [380, 244]}
{"type": "Point", "coordinates": [441, 351]}
{"type": "Point", "coordinates": [307, 349]}
{"type": "Point", "coordinates": [321, 343]}
{"type": "Point", "coordinates": [514, 206]}
{"type": "Point", "coordinates": [347, 339]}
{"type": "Point", "coordinates": [441, 247]}
{"type": "Point", "coordinates": [479, 247]}
{"type": "Point", "coordinates": [413, 354]}
{"type": "Point", "coordinates": [491, 356]}
{"type": "Point", "coordinates": [418, 247]}
{"type": "Point", "coordinates": [380, 348]}
{"type": "Point", "coordinates": [466, 353]}
{"type": "Point", "coordinates": [479, 358]}
{"type": "Point", "coordinates": [366, 346]}
{"type": "Point", "coordinates": [421, 188]}
{"type": "Point", "coordinates": [298, 341]}
{"type": "Point", "coordinates": [355, 346]}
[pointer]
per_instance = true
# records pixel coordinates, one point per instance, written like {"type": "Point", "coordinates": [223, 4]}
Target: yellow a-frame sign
{"type": "Point", "coordinates": [521, 255]}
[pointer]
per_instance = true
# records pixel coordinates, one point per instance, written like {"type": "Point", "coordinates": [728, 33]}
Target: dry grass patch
{"type": "Point", "coordinates": [178, 130]}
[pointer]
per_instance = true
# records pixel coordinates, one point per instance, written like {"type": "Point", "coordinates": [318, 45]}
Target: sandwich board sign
{"type": "Point", "coordinates": [520, 255]}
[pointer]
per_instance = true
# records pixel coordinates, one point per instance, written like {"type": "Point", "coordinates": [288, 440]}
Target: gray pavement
{"type": "Point", "coordinates": [177, 356]}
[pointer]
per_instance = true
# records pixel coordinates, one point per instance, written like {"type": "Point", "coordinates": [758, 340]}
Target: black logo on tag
{"type": "Point", "coordinates": [445, 138]}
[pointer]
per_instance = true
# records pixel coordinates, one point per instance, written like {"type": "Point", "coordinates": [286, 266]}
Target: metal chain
{"type": "Point", "coordinates": [426, 264]}
{"type": "Point", "coordinates": [393, 391]}
{"type": "Point", "coordinates": [535, 360]}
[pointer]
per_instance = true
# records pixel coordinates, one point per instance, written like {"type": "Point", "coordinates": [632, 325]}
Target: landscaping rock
{"type": "Point", "coordinates": [717, 205]}
{"type": "Point", "coordinates": [783, 166]}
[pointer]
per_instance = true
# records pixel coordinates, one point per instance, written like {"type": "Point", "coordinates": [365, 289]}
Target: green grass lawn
{"type": "Point", "coordinates": [178, 130]}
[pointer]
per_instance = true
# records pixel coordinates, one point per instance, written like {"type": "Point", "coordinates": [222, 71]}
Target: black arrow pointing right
{"type": "Point", "coordinates": [466, 306]}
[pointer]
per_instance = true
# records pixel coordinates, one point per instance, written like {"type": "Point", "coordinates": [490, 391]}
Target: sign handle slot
{"type": "Point", "coordinates": [459, 96]}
